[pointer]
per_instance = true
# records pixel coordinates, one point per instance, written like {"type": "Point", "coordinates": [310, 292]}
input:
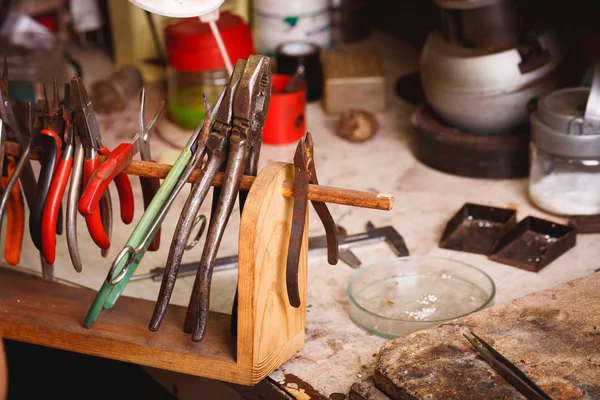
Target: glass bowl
{"type": "Point", "coordinates": [403, 295]}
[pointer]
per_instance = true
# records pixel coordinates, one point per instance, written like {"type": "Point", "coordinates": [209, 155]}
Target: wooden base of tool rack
{"type": "Point", "coordinates": [270, 331]}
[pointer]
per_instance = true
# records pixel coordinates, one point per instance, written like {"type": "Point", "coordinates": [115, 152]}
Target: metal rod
{"type": "Point", "coordinates": [316, 246]}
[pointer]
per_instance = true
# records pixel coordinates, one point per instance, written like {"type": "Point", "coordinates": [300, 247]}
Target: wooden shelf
{"type": "Point", "coordinates": [51, 314]}
{"type": "Point", "coordinates": [270, 331]}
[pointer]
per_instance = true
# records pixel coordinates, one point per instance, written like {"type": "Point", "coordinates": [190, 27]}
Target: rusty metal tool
{"type": "Point", "coordinates": [305, 173]}
{"type": "Point", "coordinates": [317, 246]}
{"type": "Point", "coordinates": [250, 105]}
{"type": "Point", "coordinates": [216, 149]}
{"type": "Point", "coordinates": [507, 369]}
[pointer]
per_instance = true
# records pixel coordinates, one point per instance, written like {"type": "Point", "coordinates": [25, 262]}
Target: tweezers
{"type": "Point", "coordinates": [508, 370]}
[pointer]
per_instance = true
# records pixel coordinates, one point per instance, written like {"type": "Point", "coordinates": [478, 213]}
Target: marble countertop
{"type": "Point", "coordinates": [337, 353]}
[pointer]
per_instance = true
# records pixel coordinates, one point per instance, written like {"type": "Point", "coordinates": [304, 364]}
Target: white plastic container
{"type": "Point", "coordinates": [276, 22]}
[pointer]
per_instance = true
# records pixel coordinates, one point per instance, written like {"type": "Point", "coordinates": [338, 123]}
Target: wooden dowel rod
{"type": "Point", "coordinates": [325, 194]}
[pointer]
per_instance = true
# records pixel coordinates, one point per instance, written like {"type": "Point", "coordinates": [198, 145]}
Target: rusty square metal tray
{"type": "Point", "coordinates": [477, 228]}
{"type": "Point", "coordinates": [534, 243]}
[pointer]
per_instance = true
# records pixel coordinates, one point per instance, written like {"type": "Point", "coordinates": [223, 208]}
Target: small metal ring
{"type": "Point", "coordinates": [194, 242]}
{"type": "Point", "coordinates": [127, 251]}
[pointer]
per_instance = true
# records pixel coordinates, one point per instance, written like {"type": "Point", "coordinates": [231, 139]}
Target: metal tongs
{"type": "Point", "coordinates": [508, 370]}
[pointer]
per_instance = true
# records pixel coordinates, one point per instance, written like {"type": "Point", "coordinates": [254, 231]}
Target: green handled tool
{"type": "Point", "coordinates": [128, 259]}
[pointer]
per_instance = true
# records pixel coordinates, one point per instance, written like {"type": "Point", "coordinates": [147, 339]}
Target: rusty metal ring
{"type": "Point", "coordinates": [193, 243]}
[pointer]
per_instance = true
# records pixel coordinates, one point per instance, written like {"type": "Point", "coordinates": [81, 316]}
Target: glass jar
{"type": "Point", "coordinates": [196, 67]}
{"type": "Point", "coordinates": [185, 91]}
{"type": "Point", "coordinates": [564, 174]}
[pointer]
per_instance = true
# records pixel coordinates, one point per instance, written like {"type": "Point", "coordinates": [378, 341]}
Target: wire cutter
{"type": "Point", "coordinates": [89, 133]}
{"type": "Point", "coordinates": [249, 110]}
{"type": "Point", "coordinates": [305, 174]}
{"type": "Point", "coordinates": [51, 142]}
{"type": "Point", "coordinates": [130, 256]}
{"type": "Point", "coordinates": [59, 183]}
{"type": "Point", "coordinates": [114, 164]}
{"type": "Point", "coordinates": [216, 148]}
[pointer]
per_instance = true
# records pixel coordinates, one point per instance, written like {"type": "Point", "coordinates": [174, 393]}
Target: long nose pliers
{"type": "Point", "coordinates": [89, 133]}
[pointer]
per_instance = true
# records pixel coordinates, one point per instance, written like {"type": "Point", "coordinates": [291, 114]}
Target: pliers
{"type": "Point", "coordinates": [216, 151]}
{"type": "Point", "coordinates": [22, 170]}
{"type": "Point", "coordinates": [16, 216]}
{"type": "Point", "coordinates": [111, 168]}
{"type": "Point", "coordinates": [58, 184]}
{"type": "Point", "coordinates": [11, 199]}
{"type": "Point", "coordinates": [250, 105]}
{"type": "Point", "coordinates": [305, 174]}
{"type": "Point", "coordinates": [89, 133]}
{"type": "Point", "coordinates": [51, 136]}
{"type": "Point", "coordinates": [19, 129]}
{"type": "Point", "coordinates": [124, 265]}
{"type": "Point", "coordinates": [149, 185]}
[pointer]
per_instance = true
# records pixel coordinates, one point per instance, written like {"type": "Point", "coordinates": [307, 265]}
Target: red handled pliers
{"type": "Point", "coordinates": [116, 161]}
{"type": "Point", "coordinates": [89, 132]}
{"type": "Point", "coordinates": [51, 140]}
{"type": "Point", "coordinates": [59, 183]}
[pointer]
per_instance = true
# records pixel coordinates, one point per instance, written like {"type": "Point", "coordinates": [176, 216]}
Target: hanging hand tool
{"type": "Point", "coordinates": [73, 199]}
{"type": "Point", "coordinates": [51, 142]}
{"type": "Point", "coordinates": [90, 135]}
{"type": "Point", "coordinates": [216, 149]}
{"type": "Point", "coordinates": [305, 173]}
{"type": "Point", "coordinates": [16, 216]}
{"type": "Point", "coordinates": [74, 194]}
{"type": "Point", "coordinates": [130, 256]}
{"type": "Point", "coordinates": [250, 105]}
{"type": "Point", "coordinates": [23, 170]}
{"type": "Point", "coordinates": [59, 183]}
{"type": "Point", "coordinates": [114, 164]}
{"type": "Point", "coordinates": [11, 192]}
{"type": "Point", "coordinates": [149, 185]}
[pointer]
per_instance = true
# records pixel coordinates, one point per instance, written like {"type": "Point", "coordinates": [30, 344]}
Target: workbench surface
{"type": "Point", "coordinates": [337, 353]}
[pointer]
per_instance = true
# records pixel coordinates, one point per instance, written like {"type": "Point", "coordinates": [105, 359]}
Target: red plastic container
{"type": "Point", "coordinates": [192, 47]}
{"type": "Point", "coordinates": [285, 122]}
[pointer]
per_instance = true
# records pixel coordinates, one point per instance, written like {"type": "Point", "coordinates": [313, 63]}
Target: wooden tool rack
{"type": "Point", "coordinates": [270, 331]}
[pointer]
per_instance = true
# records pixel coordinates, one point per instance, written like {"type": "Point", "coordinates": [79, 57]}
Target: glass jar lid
{"type": "Point", "coordinates": [566, 122]}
